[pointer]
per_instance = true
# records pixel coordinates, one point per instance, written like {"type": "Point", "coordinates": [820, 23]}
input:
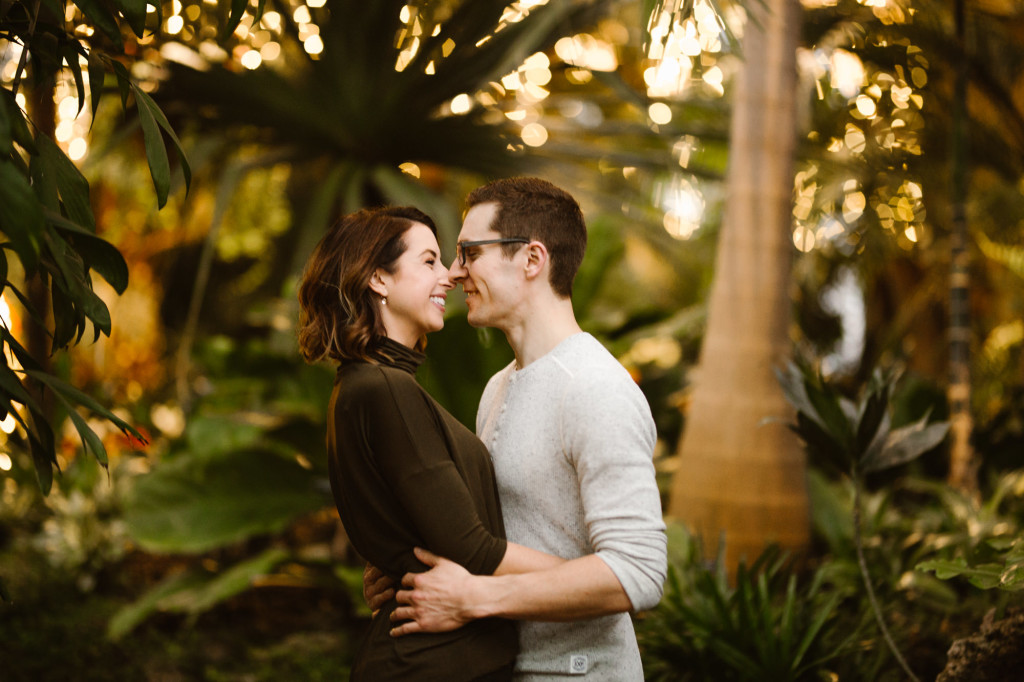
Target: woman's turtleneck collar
{"type": "Point", "coordinates": [391, 353]}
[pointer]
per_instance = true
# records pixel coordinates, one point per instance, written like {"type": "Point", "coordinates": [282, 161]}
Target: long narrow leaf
{"type": "Point", "coordinates": [74, 394]}
{"type": "Point", "coordinates": [90, 441]}
{"type": "Point", "coordinates": [156, 151]}
{"type": "Point", "coordinates": [22, 217]}
{"type": "Point", "coordinates": [153, 120]}
{"type": "Point", "coordinates": [103, 19]}
{"type": "Point", "coordinates": [98, 254]}
{"type": "Point", "coordinates": [72, 186]}
{"type": "Point", "coordinates": [906, 443]}
{"type": "Point", "coordinates": [134, 12]}
{"type": "Point", "coordinates": [97, 78]}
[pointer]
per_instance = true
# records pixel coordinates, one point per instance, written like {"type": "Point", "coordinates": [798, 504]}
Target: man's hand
{"type": "Point", "coordinates": [377, 588]}
{"type": "Point", "coordinates": [432, 601]}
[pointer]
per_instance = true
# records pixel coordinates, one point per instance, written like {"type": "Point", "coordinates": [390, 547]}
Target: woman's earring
{"type": "Point", "coordinates": [383, 300]}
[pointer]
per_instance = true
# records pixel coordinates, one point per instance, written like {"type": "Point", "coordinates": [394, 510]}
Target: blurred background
{"type": "Point", "coordinates": [801, 214]}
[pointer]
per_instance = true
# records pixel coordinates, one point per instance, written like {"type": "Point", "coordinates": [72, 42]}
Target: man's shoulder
{"type": "Point", "coordinates": [591, 364]}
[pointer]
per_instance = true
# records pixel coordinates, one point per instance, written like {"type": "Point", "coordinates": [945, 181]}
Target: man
{"type": "Point", "coordinates": [571, 437]}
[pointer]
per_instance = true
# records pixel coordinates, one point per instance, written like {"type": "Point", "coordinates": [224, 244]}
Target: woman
{"type": "Point", "coordinates": [404, 472]}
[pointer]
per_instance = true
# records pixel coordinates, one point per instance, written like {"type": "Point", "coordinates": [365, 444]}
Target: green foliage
{"type": "Point", "coordinates": [771, 625]}
{"type": "Point", "coordinates": [47, 218]}
{"type": "Point", "coordinates": [194, 592]}
{"type": "Point", "coordinates": [854, 438]}
{"type": "Point", "coordinates": [190, 505]}
{"type": "Point", "coordinates": [987, 550]}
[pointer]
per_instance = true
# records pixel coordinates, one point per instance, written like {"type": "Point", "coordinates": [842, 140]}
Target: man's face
{"type": "Point", "coordinates": [488, 278]}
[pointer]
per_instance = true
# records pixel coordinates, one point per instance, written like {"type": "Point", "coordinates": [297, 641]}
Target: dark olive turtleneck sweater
{"type": "Point", "coordinates": [405, 473]}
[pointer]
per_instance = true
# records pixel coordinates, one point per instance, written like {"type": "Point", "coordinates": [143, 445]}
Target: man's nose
{"type": "Point", "coordinates": [456, 272]}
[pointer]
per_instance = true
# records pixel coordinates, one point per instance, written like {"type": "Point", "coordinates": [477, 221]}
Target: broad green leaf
{"type": "Point", "coordinates": [22, 217]}
{"type": "Point", "coordinates": [209, 436]}
{"type": "Point", "coordinates": [985, 576]}
{"type": "Point", "coordinates": [71, 185]}
{"type": "Point", "coordinates": [189, 506]}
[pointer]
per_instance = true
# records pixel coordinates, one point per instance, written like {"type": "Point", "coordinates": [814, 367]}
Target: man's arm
{"type": "Point", "coordinates": [447, 596]}
{"type": "Point", "coordinates": [378, 588]}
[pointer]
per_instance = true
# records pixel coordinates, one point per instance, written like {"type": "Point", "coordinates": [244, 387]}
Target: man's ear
{"type": "Point", "coordinates": [536, 258]}
{"type": "Point", "coordinates": [377, 284]}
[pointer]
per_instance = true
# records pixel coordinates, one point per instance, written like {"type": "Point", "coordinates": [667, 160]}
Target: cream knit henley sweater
{"type": "Point", "coordinates": [572, 438]}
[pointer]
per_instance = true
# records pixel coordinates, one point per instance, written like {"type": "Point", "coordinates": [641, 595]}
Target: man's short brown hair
{"type": "Point", "coordinates": [538, 210]}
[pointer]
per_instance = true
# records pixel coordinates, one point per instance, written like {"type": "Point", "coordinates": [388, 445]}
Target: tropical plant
{"type": "Point", "coordinates": [767, 624]}
{"type": "Point", "coordinates": [856, 438]}
{"type": "Point", "coordinates": [48, 219]}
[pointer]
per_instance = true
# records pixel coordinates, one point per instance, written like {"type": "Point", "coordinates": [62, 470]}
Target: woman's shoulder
{"type": "Point", "coordinates": [368, 380]}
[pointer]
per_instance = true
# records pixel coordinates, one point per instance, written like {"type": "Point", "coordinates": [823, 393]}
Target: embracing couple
{"type": "Point", "coordinates": [518, 552]}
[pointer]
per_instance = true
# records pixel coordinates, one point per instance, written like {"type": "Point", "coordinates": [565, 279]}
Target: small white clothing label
{"type": "Point", "coordinates": [578, 664]}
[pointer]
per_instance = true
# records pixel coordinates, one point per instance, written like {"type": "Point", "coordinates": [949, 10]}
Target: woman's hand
{"type": "Point", "coordinates": [377, 588]}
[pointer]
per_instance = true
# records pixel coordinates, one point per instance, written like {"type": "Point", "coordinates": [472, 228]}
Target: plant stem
{"type": "Point", "coordinates": [867, 581]}
{"type": "Point", "coordinates": [24, 50]}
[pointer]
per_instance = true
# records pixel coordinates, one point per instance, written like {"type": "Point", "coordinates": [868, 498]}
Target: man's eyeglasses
{"type": "Point", "coordinates": [461, 247]}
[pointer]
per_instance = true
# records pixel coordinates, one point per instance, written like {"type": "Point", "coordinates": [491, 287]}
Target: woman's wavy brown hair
{"type": "Point", "coordinates": [340, 317]}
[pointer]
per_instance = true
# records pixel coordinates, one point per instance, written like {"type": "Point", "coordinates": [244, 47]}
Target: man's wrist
{"type": "Point", "coordinates": [484, 595]}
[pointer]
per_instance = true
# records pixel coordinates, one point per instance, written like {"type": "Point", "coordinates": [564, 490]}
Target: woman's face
{"type": "Point", "coordinates": [417, 289]}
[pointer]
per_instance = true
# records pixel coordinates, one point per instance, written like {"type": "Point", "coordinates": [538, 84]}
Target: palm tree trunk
{"type": "Point", "coordinates": [739, 477]}
{"type": "Point", "coordinates": [962, 465]}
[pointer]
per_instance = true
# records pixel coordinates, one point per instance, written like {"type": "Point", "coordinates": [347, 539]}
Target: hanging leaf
{"type": "Point", "coordinates": [153, 120]}
{"type": "Point", "coordinates": [97, 78]}
{"type": "Point", "coordinates": [71, 185]}
{"type": "Point", "coordinates": [69, 54]}
{"type": "Point", "coordinates": [85, 400]}
{"type": "Point", "coordinates": [97, 253]}
{"type": "Point", "coordinates": [21, 219]}
{"type": "Point", "coordinates": [90, 441]}
{"type": "Point", "coordinates": [101, 17]}
{"type": "Point", "coordinates": [134, 12]}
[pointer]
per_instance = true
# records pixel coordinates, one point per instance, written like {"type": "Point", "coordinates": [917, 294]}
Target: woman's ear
{"type": "Point", "coordinates": [377, 284]}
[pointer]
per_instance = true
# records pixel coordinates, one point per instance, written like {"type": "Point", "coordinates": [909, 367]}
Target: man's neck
{"type": "Point", "coordinates": [544, 326]}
